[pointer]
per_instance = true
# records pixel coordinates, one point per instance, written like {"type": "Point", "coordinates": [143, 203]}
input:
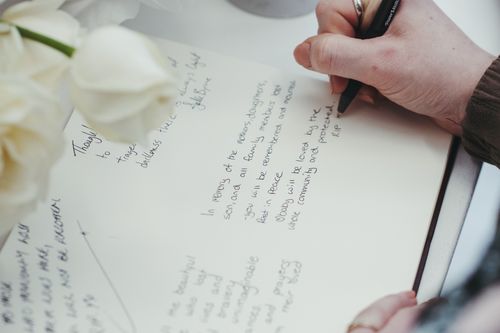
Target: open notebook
{"type": "Point", "coordinates": [253, 209]}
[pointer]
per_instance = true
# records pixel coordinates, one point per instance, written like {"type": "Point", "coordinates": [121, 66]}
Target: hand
{"type": "Point", "coordinates": [398, 314]}
{"type": "Point", "coordinates": [424, 62]}
{"type": "Point", "coordinates": [390, 314]}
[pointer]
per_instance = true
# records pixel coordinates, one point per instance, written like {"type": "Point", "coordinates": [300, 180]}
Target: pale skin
{"type": "Point", "coordinates": [397, 314]}
{"type": "Point", "coordinates": [426, 64]}
{"type": "Point", "coordinates": [390, 314]}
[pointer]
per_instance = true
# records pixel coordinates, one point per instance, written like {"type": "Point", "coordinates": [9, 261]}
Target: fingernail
{"type": "Point", "coordinates": [412, 294]}
{"type": "Point", "coordinates": [407, 294]}
{"type": "Point", "coordinates": [332, 91]}
{"type": "Point", "coordinates": [370, 99]}
{"type": "Point", "coordinates": [367, 98]}
{"type": "Point", "coordinates": [408, 298]}
{"type": "Point", "coordinates": [302, 54]}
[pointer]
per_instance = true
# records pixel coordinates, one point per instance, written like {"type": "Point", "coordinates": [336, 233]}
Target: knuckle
{"type": "Point", "coordinates": [326, 59]}
{"type": "Point", "coordinates": [326, 8]}
{"type": "Point", "coordinates": [322, 8]}
{"type": "Point", "coordinates": [388, 55]}
{"type": "Point", "coordinates": [330, 17]}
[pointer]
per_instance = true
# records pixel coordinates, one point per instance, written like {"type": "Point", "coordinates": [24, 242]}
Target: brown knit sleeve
{"type": "Point", "coordinates": [481, 126]}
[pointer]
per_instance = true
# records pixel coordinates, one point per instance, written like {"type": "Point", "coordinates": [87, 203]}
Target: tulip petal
{"type": "Point", "coordinates": [122, 97]}
{"type": "Point", "coordinates": [170, 5]}
{"type": "Point", "coordinates": [30, 142]}
{"type": "Point", "coordinates": [30, 58]}
{"type": "Point", "coordinates": [95, 13]}
{"type": "Point", "coordinates": [113, 70]}
{"type": "Point", "coordinates": [28, 8]}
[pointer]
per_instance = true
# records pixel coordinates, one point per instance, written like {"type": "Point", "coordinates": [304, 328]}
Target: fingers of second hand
{"type": "Point", "coordinates": [404, 320]}
{"type": "Point", "coordinates": [378, 313]}
{"type": "Point", "coordinates": [359, 328]}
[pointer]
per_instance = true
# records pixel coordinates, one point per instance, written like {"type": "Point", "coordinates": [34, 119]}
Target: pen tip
{"type": "Point", "coordinates": [338, 114]}
{"type": "Point", "coordinates": [343, 104]}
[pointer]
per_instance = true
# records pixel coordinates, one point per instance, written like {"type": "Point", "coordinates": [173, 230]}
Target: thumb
{"type": "Point", "coordinates": [339, 55]}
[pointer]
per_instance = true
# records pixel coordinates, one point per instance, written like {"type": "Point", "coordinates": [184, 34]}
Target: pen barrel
{"type": "Point", "coordinates": [348, 95]}
{"type": "Point", "coordinates": [382, 19]}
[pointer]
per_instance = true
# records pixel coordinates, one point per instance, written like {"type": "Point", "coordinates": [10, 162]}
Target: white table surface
{"type": "Point", "coordinates": [219, 26]}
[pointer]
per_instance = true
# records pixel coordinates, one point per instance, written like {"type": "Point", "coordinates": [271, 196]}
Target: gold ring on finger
{"type": "Point", "coordinates": [356, 325]}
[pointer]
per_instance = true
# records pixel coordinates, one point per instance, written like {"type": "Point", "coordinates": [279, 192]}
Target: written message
{"type": "Point", "coordinates": [254, 189]}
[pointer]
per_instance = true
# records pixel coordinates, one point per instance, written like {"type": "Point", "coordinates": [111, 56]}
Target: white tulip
{"type": "Point", "coordinates": [170, 5]}
{"type": "Point", "coordinates": [30, 58]}
{"type": "Point", "coordinates": [96, 13]}
{"type": "Point", "coordinates": [121, 84]}
{"type": "Point", "coordinates": [30, 141]}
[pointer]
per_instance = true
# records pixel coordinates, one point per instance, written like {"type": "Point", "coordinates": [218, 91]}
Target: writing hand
{"type": "Point", "coordinates": [424, 62]}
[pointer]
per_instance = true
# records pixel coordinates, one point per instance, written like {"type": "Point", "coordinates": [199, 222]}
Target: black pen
{"type": "Point", "coordinates": [383, 18]}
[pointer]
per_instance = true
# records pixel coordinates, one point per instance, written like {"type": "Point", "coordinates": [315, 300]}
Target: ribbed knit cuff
{"type": "Point", "coordinates": [481, 126]}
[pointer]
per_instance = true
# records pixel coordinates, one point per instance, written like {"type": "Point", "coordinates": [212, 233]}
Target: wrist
{"type": "Point", "coordinates": [454, 117]}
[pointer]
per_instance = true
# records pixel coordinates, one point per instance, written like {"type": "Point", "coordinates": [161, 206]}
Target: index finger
{"type": "Point", "coordinates": [337, 16]}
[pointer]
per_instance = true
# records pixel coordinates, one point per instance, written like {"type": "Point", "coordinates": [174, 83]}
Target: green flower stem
{"type": "Point", "coordinates": [53, 43]}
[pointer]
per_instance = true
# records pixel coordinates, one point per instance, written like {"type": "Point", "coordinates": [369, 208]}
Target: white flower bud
{"type": "Point", "coordinates": [31, 123]}
{"type": "Point", "coordinates": [32, 59]}
{"type": "Point", "coordinates": [121, 84]}
{"type": "Point", "coordinates": [96, 13]}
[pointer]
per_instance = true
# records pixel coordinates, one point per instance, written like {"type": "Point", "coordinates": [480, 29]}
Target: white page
{"type": "Point", "coordinates": [254, 209]}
